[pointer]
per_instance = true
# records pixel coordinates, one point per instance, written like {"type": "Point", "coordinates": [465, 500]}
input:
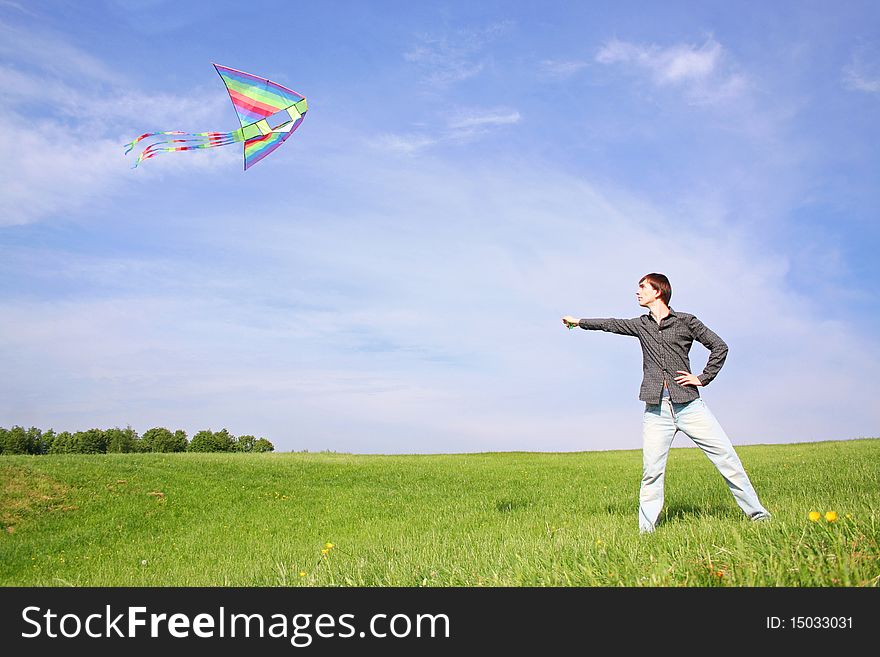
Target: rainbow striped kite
{"type": "Point", "coordinates": [268, 112]}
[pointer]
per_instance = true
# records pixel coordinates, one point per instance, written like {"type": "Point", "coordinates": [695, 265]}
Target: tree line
{"type": "Point", "coordinates": [19, 440]}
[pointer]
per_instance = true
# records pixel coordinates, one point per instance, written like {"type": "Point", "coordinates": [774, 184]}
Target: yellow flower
{"type": "Point", "coordinates": [831, 516]}
{"type": "Point", "coordinates": [814, 516]}
{"type": "Point", "coordinates": [302, 573]}
{"type": "Point", "coordinates": [329, 546]}
{"type": "Point", "coordinates": [325, 551]}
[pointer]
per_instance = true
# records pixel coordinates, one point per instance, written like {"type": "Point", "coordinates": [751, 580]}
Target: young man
{"type": "Point", "coordinates": [672, 401]}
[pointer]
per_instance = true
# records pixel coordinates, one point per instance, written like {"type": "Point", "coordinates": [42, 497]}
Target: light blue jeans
{"type": "Point", "coordinates": [695, 420]}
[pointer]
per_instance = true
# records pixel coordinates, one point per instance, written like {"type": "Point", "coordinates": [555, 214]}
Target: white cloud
{"type": "Point", "coordinates": [63, 144]}
{"type": "Point", "coordinates": [419, 311]}
{"type": "Point", "coordinates": [563, 68]}
{"type": "Point", "coordinates": [860, 83]}
{"type": "Point", "coordinates": [443, 70]}
{"type": "Point", "coordinates": [440, 292]}
{"type": "Point", "coordinates": [406, 144]}
{"type": "Point", "coordinates": [48, 170]}
{"type": "Point", "coordinates": [16, 7]}
{"type": "Point", "coordinates": [461, 125]}
{"type": "Point", "coordinates": [685, 62]}
{"type": "Point", "coordinates": [469, 121]}
{"type": "Point", "coordinates": [51, 168]}
{"type": "Point", "coordinates": [702, 70]}
{"type": "Point", "coordinates": [446, 59]}
{"type": "Point", "coordinates": [48, 53]}
{"type": "Point", "coordinates": [668, 65]}
{"type": "Point", "coordinates": [862, 73]}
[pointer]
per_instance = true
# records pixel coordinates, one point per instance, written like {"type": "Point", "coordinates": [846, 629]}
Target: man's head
{"type": "Point", "coordinates": [653, 287]}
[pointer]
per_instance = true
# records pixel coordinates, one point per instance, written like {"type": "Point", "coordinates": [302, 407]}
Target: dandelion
{"type": "Point", "coordinates": [325, 551]}
{"type": "Point", "coordinates": [830, 516]}
{"type": "Point", "coordinates": [814, 516]}
{"type": "Point", "coordinates": [302, 573]}
{"type": "Point", "coordinates": [329, 546]}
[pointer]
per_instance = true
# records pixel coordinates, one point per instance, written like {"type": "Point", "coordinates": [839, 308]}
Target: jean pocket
{"type": "Point", "coordinates": [652, 409]}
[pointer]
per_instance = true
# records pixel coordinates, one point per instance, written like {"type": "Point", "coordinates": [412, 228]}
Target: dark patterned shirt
{"type": "Point", "coordinates": [665, 349]}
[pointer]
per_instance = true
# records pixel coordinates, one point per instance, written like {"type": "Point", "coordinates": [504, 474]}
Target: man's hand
{"type": "Point", "coordinates": [569, 321]}
{"type": "Point", "coordinates": [687, 379]}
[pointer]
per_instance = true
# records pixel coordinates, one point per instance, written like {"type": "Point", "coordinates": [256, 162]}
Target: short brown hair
{"type": "Point", "coordinates": [660, 283]}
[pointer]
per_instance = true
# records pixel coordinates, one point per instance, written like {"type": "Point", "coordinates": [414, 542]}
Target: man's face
{"type": "Point", "coordinates": [646, 293]}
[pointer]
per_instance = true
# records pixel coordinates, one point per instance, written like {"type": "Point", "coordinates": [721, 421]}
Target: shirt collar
{"type": "Point", "coordinates": [672, 313]}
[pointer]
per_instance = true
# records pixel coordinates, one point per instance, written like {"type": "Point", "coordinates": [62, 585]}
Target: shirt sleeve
{"type": "Point", "coordinates": [716, 346]}
{"type": "Point", "coordinates": [619, 326]}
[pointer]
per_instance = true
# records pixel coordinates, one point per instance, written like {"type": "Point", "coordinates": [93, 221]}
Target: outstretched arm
{"type": "Point", "coordinates": [612, 325]}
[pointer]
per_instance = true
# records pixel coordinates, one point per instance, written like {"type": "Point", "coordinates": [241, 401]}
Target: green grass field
{"type": "Point", "coordinates": [498, 519]}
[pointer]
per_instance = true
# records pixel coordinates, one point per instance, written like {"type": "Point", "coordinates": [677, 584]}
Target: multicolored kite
{"type": "Point", "coordinates": [268, 112]}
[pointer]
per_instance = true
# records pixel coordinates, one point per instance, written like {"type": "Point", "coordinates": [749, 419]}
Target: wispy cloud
{"type": "Point", "coordinates": [50, 54]}
{"type": "Point", "coordinates": [66, 116]}
{"type": "Point", "coordinates": [453, 57]}
{"type": "Point", "coordinates": [668, 65]}
{"type": "Point", "coordinates": [363, 302]}
{"type": "Point", "coordinates": [700, 70]}
{"type": "Point", "coordinates": [15, 6]}
{"type": "Point", "coordinates": [47, 170]}
{"type": "Point", "coordinates": [461, 125]}
{"type": "Point", "coordinates": [406, 144]}
{"type": "Point", "coordinates": [862, 73]}
{"type": "Point", "coordinates": [475, 121]}
{"type": "Point", "coordinates": [563, 68]}
{"type": "Point", "coordinates": [459, 285]}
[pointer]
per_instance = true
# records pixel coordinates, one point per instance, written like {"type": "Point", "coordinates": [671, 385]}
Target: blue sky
{"type": "Point", "coordinates": [391, 279]}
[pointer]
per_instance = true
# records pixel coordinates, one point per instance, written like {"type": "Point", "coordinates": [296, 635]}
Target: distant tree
{"type": "Point", "coordinates": [263, 445]}
{"type": "Point", "coordinates": [212, 441]}
{"type": "Point", "coordinates": [244, 444]}
{"type": "Point", "coordinates": [63, 444]}
{"type": "Point", "coordinates": [160, 439]}
{"type": "Point", "coordinates": [46, 441]}
{"type": "Point", "coordinates": [134, 437]}
{"type": "Point", "coordinates": [224, 440]}
{"type": "Point", "coordinates": [180, 441]}
{"type": "Point", "coordinates": [121, 440]}
{"type": "Point", "coordinates": [16, 441]}
{"type": "Point", "coordinates": [170, 442]}
{"type": "Point", "coordinates": [92, 441]}
{"type": "Point", "coordinates": [35, 440]}
{"type": "Point", "coordinates": [19, 440]}
{"type": "Point", "coordinates": [202, 441]}
{"type": "Point", "coordinates": [150, 436]}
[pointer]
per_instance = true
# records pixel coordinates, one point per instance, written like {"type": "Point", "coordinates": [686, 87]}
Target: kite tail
{"type": "Point", "coordinates": [181, 141]}
{"type": "Point", "coordinates": [131, 144]}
